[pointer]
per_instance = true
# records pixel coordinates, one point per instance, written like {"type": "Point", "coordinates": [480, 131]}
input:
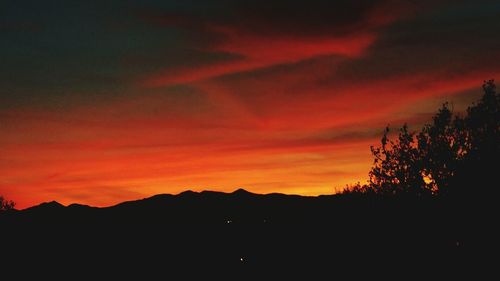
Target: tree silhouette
{"type": "Point", "coordinates": [6, 205]}
{"type": "Point", "coordinates": [481, 145]}
{"type": "Point", "coordinates": [397, 166]}
{"type": "Point", "coordinates": [440, 146]}
{"type": "Point", "coordinates": [446, 158]}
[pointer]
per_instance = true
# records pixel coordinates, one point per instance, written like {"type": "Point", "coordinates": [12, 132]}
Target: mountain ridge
{"type": "Point", "coordinates": [240, 192]}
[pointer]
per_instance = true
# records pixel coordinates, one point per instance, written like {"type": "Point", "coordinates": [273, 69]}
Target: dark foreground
{"type": "Point", "coordinates": [247, 236]}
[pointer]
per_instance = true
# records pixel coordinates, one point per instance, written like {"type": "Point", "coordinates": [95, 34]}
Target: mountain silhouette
{"type": "Point", "coordinates": [242, 192]}
{"type": "Point", "coordinates": [240, 233]}
{"type": "Point", "coordinates": [78, 206]}
{"type": "Point", "coordinates": [52, 206]}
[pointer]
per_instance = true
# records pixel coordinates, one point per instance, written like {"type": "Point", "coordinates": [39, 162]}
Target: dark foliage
{"type": "Point", "coordinates": [6, 205]}
{"type": "Point", "coordinates": [452, 157]}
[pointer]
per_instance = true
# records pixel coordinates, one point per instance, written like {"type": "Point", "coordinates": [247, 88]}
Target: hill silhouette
{"type": "Point", "coordinates": [221, 234]}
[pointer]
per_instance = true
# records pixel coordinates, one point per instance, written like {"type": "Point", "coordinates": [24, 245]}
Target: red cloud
{"type": "Point", "coordinates": [261, 39]}
{"type": "Point", "coordinates": [264, 52]}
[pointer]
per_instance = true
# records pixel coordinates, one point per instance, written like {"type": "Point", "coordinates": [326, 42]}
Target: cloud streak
{"type": "Point", "coordinates": [259, 37]}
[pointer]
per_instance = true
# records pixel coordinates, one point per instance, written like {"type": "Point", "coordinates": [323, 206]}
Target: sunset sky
{"type": "Point", "coordinates": [106, 101]}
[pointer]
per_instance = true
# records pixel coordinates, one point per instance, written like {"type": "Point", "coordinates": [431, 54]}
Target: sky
{"type": "Point", "coordinates": [107, 101]}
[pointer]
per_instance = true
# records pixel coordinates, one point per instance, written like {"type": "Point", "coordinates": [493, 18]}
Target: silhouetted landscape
{"type": "Point", "coordinates": [430, 206]}
{"type": "Point", "coordinates": [249, 140]}
{"type": "Point", "coordinates": [237, 232]}
{"type": "Point", "coordinates": [251, 235]}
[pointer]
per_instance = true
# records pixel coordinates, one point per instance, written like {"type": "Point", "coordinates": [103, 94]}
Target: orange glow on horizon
{"type": "Point", "coordinates": [86, 161]}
